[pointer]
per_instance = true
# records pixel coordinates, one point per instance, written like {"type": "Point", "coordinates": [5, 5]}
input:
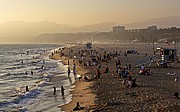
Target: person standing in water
{"type": "Point", "coordinates": [54, 90]}
{"type": "Point", "coordinates": [62, 90]}
{"type": "Point", "coordinates": [74, 69]}
{"type": "Point", "coordinates": [69, 71]}
{"type": "Point", "coordinates": [31, 72]}
{"type": "Point", "coordinates": [68, 62]}
{"type": "Point", "coordinates": [27, 89]}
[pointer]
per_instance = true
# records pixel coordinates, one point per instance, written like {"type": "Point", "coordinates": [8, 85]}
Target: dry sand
{"type": "Point", "coordinates": [154, 93]}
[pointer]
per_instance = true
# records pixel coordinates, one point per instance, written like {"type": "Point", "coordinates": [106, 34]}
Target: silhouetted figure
{"type": "Point", "coordinates": [27, 89]}
{"type": "Point", "coordinates": [176, 94]}
{"type": "Point", "coordinates": [31, 72]}
{"type": "Point", "coordinates": [62, 90]}
{"type": "Point", "coordinates": [85, 78]}
{"type": "Point", "coordinates": [54, 90]}
{"type": "Point", "coordinates": [69, 71]}
{"type": "Point", "coordinates": [134, 83]}
{"type": "Point", "coordinates": [98, 74]}
{"type": "Point", "coordinates": [42, 67]}
{"type": "Point", "coordinates": [68, 62]}
{"type": "Point", "coordinates": [78, 107]}
{"type": "Point", "coordinates": [106, 69]}
{"type": "Point", "coordinates": [129, 67]}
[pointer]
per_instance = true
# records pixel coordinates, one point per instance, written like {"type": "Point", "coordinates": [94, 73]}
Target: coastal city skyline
{"type": "Point", "coordinates": [85, 12]}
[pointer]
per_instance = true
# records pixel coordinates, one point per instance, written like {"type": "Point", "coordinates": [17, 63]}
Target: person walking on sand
{"type": "Point", "coordinates": [98, 73]}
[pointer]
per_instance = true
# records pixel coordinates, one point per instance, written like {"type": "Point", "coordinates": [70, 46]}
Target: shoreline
{"type": "Point", "coordinates": [81, 92]}
{"type": "Point", "coordinates": [153, 92]}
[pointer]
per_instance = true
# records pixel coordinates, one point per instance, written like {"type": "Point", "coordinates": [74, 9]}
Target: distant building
{"type": "Point", "coordinates": [152, 28]}
{"type": "Point", "coordinates": [118, 29]}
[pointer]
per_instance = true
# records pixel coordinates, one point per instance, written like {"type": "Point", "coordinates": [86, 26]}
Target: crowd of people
{"type": "Point", "coordinates": [98, 60]}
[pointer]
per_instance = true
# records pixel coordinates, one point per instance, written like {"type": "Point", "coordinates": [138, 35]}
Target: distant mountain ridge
{"type": "Point", "coordinates": [163, 22]}
{"type": "Point", "coordinates": [20, 30]}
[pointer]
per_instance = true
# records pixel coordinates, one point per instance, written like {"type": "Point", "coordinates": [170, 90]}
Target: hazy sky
{"type": "Point", "coordinates": [82, 12]}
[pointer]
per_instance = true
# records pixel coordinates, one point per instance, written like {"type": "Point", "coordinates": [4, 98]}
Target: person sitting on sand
{"type": "Point", "coordinates": [142, 70]}
{"type": "Point", "coordinates": [147, 72]}
{"type": "Point", "coordinates": [106, 69]}
{"type": "Point", "coordinates": [176, 79]}
{"type": "Point", "coordinates": [126, 67]}
{"type": "Point", "coordinates": [133, 84]}
{"type": "Point", "coordinates": [86, 78]}
{"type": "Point", "coordinates": [176, 94]}
{"type": "Point", "coordinates": [120, 73]}
{"type": "Point", "coordinates": [142, 67]}
{"type": "Point", "coordinates": [126, 73]}
{"type": "Point", "coordinates": [78, 107]}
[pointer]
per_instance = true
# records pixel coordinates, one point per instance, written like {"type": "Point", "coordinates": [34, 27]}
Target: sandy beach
{"type": "Point", "coordinates": [154, 92]}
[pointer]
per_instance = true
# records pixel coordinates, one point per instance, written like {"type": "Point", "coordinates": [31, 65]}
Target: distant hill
{"type": "Point", "coordinates": [25, 31]}
{"type": "Point", "coordinates": [163, 22]}
{"type": "Point", "coordinates": [101, 27]}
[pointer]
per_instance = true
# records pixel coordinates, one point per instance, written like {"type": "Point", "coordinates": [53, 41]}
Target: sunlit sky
{"type": "Point", "coordinates": [83, 12]}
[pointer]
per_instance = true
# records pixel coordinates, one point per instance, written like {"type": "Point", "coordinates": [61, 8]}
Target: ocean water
{"type": "Point", "coordinates": [16, 64]}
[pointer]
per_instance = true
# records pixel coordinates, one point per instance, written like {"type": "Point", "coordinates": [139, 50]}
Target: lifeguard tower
{"type": "Point", "coordinates": [163, 57]}
{"type": "Point", "coordinates": [168, 56]}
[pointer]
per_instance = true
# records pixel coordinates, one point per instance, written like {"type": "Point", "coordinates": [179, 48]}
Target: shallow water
{"type": "Point", "coordinates": [17, 62]}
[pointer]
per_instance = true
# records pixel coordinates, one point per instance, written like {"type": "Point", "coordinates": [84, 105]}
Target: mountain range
{"type": "Point", "coordinates": [25, 31]}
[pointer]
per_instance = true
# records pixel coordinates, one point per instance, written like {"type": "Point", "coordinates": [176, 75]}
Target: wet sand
{"type": "Point", "coordinates": [154, 92]}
